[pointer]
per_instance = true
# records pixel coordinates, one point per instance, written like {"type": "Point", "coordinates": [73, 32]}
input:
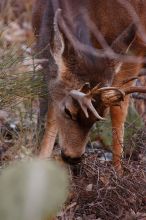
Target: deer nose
{"type": "Point", "coordinates": [71, 160]}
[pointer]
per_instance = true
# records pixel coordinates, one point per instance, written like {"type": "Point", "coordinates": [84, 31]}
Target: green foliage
{"type": "Point", "coordinates": [103, 129]}
{"type": "Point", "coordinates": [17, 82]}
{"type": "Point", "coordinates": [133, 123]}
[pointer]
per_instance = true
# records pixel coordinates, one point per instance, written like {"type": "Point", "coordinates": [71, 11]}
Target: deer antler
{"type": "Point", "coordinates": [109, 95]}
{"type": "Point", "coordinates": [85, 96]}
{"type": "Point", "coordinates": [132, 89]}
{"type": "Point", "coordinates": [85, 102]}
{"type": "Point", "coordinates": [115, 96]}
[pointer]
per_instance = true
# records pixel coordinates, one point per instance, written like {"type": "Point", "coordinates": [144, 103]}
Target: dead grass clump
{"type": "Point", "coordinates": [99, 193]}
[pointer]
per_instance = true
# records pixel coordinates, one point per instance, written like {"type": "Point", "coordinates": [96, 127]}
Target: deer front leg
{"type": "Point", "coordinates": [119, 113]}
{"type": "Point", "coordinates": [49, 135]}
{"type": "Point", "coordinates": [118, 116]}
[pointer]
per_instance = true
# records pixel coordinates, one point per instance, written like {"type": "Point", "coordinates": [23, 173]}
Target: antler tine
{"type": "Point", "coordinates": [85, 103]}
{"type": "Point", "coordinates": [111, 88]}
{"type": "Point", "coordinates": [94, 90]}
{"type": "Point", "coordinates": [97, 90]}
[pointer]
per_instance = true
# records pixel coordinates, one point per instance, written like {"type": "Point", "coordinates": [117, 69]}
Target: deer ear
{"type": "Point", "coordinates": [58, 43]}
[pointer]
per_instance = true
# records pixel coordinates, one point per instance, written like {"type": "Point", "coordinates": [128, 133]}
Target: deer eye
{"type": "Point", "coordinates": [69, 115]}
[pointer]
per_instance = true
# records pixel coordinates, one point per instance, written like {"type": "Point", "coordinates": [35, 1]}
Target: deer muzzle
{"type": "Point", "coordinates": [70, 160]}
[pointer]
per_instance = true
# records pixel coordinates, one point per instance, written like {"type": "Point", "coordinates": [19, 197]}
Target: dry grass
{"type": "Point", "coordinates": [99, 193]}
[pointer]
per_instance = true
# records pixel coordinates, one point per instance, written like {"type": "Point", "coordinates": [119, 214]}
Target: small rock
{"type": "Point", "coordinates": [106, 156]}
{"type": "Point", "coordinates": [89, 188]}
{"type": "Point", "coordinates": [3, 116]}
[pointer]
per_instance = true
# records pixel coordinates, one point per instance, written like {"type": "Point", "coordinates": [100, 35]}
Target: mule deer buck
{"type": "Point", "coordinates": [94, 50]}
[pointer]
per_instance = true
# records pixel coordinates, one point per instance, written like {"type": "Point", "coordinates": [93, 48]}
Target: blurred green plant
{"type": "Point", "coordinates": [32, 190]}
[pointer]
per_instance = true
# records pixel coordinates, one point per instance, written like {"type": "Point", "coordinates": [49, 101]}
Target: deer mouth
{"type": "Point", "coordinates": [71, 160]}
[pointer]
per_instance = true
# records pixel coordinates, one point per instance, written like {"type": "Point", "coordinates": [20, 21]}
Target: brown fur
{"type": "Point", "coordinates": [75, 68]}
